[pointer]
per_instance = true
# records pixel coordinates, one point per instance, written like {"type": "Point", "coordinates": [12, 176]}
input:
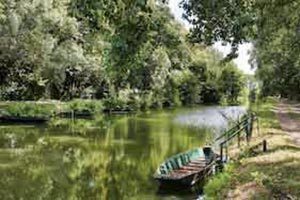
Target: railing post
{"type": "Point", "coordinates": [248, 129]}
{"type": "Point", "coordinates": [221, 151]}
{"type": "Point", "coordinates": [238, 128]}
{"type": "Point", "coordinates": [226, 157]}
{"type": "Point", "coordinates": [265, 146]}
{"type": "Point", "coordinates": [257, 126]}
{"type": "Point", "coordinates": [239, 140]}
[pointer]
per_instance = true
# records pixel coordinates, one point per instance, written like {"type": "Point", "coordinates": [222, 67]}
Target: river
{"type": "Point", "coordinates": [109, 157]}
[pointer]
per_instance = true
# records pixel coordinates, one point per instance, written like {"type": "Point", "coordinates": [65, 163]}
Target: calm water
{"type": "Point", "coordinates": [105, 158]}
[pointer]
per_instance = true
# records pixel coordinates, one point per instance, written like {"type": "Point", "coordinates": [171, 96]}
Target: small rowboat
{"type": "Point", "coordinates": [186, 169]}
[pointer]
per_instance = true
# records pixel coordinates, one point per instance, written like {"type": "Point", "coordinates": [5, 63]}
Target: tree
{"type": "Point", "coordinates": [231, 84]}
{"type": "Point", "coordinates": [272, 26]}
{"type": "Point", "coordinates": [126, 53]}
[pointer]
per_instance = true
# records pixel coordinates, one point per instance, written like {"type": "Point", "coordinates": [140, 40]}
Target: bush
{"type": "Point", "coordinates": [213, 189]}
{"type": "Point", "coordinates": [113, 103]}
{"type": "Point", "coordinates": [26, 109]}
{"type": "Point", "coordinates": [80, 105]}
{"type": "Point", "coordinates": [125, 99]}
{"type": "Point", "coordinates": [146, 100]}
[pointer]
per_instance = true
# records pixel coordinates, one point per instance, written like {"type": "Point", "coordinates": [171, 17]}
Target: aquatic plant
{"type": "Point", "coordinates": [79, 105]}
{"type": "Point", "coordinates": [28, 109]}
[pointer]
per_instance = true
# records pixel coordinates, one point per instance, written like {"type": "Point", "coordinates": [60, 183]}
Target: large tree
{"type": "Point", "coordinates": [271, 25]}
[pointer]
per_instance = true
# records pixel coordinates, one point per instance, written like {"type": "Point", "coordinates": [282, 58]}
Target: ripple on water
{"type": "Point", "coordinates": [216, 118]}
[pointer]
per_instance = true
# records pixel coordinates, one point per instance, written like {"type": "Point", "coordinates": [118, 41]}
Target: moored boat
{"type": "Point", "coordinates": [186, 169]}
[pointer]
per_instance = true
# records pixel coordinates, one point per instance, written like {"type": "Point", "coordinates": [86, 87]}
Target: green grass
{"type": "Point", "coordinates": [38, 109]}
{"type": "Point", "coordinates": [216, 187]}
{"type": "Point", "coordinates": [79, 105]}
{"type": "Point", "coordinates": [274, 174]}
{"type": "Point", "coordinates": [28, 109]}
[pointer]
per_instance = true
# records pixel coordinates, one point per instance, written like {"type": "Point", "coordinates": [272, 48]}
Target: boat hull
{"type": "Point", "coordinates": [186, 182]}
{"type": "Point", "coordinates": [186, 169]}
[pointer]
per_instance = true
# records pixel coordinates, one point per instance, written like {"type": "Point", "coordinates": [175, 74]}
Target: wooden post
{"type": "Point", "coordinates": [248, 131]}
{"type": "Point", "coordinates": [265, 146]}
{"type": "Point", "coordinates": [221, 152]}
{"type": "Point", "coordinates": [238, 128]}
{"type": "Point", "coordinates": [239, 140]}
{"type": "Point", "coordinates": [258, 133]}
{"type": "Point", "coordinates": [226, 152]}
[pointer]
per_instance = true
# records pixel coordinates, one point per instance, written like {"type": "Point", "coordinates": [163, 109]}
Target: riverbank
{"type": "Point", "coordinates": [50, 108]}
{"type": "Point", "coordinates": [78, 108]}
{"type": "Point", "coordinates": [254, 174]}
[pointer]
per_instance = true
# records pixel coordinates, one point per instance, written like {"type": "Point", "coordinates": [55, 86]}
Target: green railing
{"type": "Point", "coordinates": [244, 127]}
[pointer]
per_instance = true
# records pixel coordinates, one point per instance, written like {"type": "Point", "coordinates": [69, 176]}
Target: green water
{"type": "Point", "coordinates": [110, 157]}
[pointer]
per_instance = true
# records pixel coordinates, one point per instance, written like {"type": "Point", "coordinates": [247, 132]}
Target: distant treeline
{"type": "Point", "coordinates": [122, 52]}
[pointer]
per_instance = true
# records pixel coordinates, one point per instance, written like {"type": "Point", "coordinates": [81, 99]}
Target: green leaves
{"type": "Point", "coordinates": [65, 49]}
{"type": "Point", "coordinates": [273, 27]}
{"type": "Point", "coordinates": [14, 23]}
{"type": "Point", "coordinates": [228, 21]}
{"type": "Point", "coordinates": [231, 84]}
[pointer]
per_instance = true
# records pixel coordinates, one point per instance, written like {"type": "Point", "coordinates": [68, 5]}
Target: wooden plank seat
{"type": "Point", "coordinates": [196, 166]}
{"type": "Point", "coordinates": [199, 160]}
{"type": "Point", "coordinates": [179, 173]}
{"type": "Point", "coordinates": [197, 163]}
{"type": "Point", "coordinates": [188, 169]}
{"type": "Point", "coordinates": [191, 168]}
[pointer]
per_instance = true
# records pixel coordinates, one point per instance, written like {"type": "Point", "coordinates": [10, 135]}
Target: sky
{"type": "Point", "coordinates": [241, 61]}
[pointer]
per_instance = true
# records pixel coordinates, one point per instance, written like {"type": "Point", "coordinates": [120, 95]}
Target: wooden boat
{"type": "Point", "coordinates": [186, 169]}
{"type": "Point", "coordinates": [11, 119]}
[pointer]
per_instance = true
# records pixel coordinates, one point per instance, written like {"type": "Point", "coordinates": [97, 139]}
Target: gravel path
{"type": "Point", "coordinates": [287, 123]}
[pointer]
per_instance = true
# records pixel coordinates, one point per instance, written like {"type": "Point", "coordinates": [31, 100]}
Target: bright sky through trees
{"type": "Point", "coordinates": [241, 61]}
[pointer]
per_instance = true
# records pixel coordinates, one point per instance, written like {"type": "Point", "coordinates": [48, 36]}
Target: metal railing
{"type": "Point", "coordinates": [244, 126]}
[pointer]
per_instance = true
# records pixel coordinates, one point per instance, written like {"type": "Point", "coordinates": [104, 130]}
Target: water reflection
{"type": "Point", "coordinates": [105, 158]}
{"type": "Point", "coordinates": [217, 119]}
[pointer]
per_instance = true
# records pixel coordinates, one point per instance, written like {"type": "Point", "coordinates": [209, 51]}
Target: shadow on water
{"type": "Point", "coordinates": [182, 193]}
{"type": "Point", "coordinates": [110, 157]}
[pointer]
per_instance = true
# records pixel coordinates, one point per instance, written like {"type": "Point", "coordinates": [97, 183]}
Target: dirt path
{"type": "Point", "coordinates": [290, 124]}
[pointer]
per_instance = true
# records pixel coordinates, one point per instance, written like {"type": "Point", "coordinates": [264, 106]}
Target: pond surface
{"type": "Point", "coordinates": [109, 157]}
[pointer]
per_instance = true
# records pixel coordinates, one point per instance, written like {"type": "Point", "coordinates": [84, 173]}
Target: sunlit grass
{"type": "Point", "coordinates": [259, 175]}
{"type": "Point", "coordinates": [28, 109]}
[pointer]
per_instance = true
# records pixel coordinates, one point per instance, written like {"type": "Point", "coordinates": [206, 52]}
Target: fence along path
{"type": "Point", "coordinates": [244, 127]}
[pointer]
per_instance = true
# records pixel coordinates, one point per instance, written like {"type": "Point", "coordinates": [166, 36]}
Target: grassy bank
{"type": "Point", "coordinates": [27, 109]}
{"type": "Point", "coordinates": [49, 108]}
{"type": "Point", "coordinates": [254, 174]}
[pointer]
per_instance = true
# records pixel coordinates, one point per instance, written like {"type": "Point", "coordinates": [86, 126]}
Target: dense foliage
{"type": "Point", "coordinates": [272, 27]}
{"type": "Point", "coordinates": [126, 53]}
{"type": "Point", "coordinates": [28, 109]}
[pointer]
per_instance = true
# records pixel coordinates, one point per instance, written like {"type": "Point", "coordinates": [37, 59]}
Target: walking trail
{"type": "Point", "coordinates": [290, 124]}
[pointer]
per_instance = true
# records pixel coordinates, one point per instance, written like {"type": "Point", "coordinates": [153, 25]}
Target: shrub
{"type": "Point", "coordinates": [80, 105]}
{"type": "Point", "coordinates": [26, 109]}
{"type": "Point", "coordinates": [213, 189]}
{"type": "Point", "coordinates": [125, 99]}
